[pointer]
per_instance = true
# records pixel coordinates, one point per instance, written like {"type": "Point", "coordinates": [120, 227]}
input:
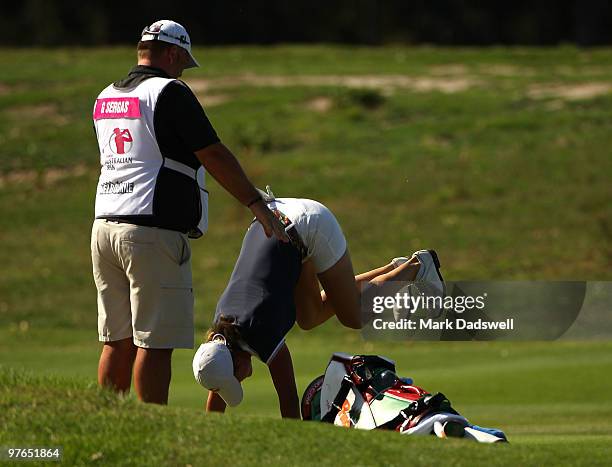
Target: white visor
{"type": "Point", "coordinates": [213, 368]}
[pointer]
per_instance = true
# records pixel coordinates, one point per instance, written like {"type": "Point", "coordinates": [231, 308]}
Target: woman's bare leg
{"type": "Point", "coordinates": [341, 298]}
{"type": "Point", "coordinates": [341, 294]}
{"type": "Point", "coordinates": [369, 275]}
{"type": "Point", "coordinates": [341, 290]}
{"type": "Point", "coordinates": [405, 272]}
{"type": "Point", "coordinates": [310, 308]}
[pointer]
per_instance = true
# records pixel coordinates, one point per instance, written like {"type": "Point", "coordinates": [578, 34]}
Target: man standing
{"type": "Point", "coordinates": [155, 145]}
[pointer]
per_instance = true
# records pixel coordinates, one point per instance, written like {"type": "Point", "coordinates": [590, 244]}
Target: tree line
{"type": "Point", "coordinates": [372, 22]}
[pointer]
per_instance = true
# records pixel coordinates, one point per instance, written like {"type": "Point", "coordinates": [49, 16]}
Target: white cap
{"type": "Point", "coordinates": [169, 31]}
{"type": "Point", "coordinates": [213, 368]}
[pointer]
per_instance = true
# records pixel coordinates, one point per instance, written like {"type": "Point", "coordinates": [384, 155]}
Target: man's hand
{"type": "Point", "coordinates": [270, 223]}
{"type": "Point", "coordinates": [224, 167]}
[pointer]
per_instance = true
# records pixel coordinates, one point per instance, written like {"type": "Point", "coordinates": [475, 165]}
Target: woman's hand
{"type": "Point", "coordinates": [215, 403]}
{"type": "Point", "coordinates": [242, 364]}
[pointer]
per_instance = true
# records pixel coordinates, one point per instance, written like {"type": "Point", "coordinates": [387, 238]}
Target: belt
{"type": "Point", "coordinates": [292, 233]}
{"type": "Point", "coordinates": [138, 222]}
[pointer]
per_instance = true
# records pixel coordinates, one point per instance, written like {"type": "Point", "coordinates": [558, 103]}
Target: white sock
{"type": "Point", "coordinates": [396, 262]}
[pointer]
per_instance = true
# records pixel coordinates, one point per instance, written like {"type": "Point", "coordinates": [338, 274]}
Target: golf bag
{"type": "Point", "coordinates": [363, 391]}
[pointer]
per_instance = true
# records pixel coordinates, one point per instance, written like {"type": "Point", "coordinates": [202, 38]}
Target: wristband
{"type": "Point", "coordinates": [255, 200]}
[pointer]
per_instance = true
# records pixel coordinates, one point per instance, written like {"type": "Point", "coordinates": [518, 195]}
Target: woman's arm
{"type": "Point", "coordinates": [281, 371]}
{"type": "Point", "coordinates": [215, 403]}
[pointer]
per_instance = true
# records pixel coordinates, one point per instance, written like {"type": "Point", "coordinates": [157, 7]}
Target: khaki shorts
{"type": "Point", "coordinates": [143, 277]}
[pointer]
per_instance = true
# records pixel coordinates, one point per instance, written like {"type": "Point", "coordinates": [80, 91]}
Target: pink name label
{"type": "Point", "coordinates": [117, 107]}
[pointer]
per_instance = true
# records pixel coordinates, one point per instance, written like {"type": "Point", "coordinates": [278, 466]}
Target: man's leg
{"type": "Point", "coordinates": [115, 366]}
{"type": "Point", "coordinates": [152, 373]}
{"type": "Point", "coordinates": [114, 313]}
{"type": "Point", "coordinates": [161, 297]}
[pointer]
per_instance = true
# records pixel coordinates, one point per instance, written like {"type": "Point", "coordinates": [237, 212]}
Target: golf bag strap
{"type": "Point", "coordinates": [425, 404]}
{"type": "Point", "coordinates": [345, 387]}
{"type": "Point", "coordinates": [394, 422]}
{"type": "Point", "coordinates": [361, 368]}
{"type": "Point", "coordinates": [376, 361]}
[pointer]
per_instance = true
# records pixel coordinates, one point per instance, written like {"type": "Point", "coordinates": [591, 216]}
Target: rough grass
{"type": "Point", "coordinates": [504, 185]}
{"type": "Point", "coordinates": [507, 176]}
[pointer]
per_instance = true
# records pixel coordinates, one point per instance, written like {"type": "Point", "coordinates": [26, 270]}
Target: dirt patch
{"type": "Point", "coordinates": [48, 111]}
{"type": "Point", "coordinates": [571, 92]}
{"type": "Point", "coordinates": [554, 105]}
{"type": "Point", "coordinates": [42, 179]}
{"type": "Point", "coordinates": [211, 100]}
{"type": "Point", "coordinates": [582, 70]}
{"type": "Point", "coordinates": [54, 175]}
{"type": "Point", "coordinates": [18, 177]}
{"type": "Point", "coordinates": [507, 71]}
{"type": "Point", "coordinates": [4, 89]}
{"type": "Point", "coordinates": [451, 69]}
{"type": "Point", "coordinates": [386, 83]}
{"type": "Point", "coordinates": [320, 104]}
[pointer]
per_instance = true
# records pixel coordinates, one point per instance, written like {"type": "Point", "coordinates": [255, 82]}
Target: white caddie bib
{"type": "Point", "coordinates": [130, 157]}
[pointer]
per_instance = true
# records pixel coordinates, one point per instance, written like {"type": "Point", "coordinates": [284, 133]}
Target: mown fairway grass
{"type": "Point", "coordinates": [97, 427]}
{"type": "Point", "coordinates": [508, 176]}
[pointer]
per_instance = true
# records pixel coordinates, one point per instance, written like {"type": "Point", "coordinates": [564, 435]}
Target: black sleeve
{"type": "Point", "coordinates": [179, 112]}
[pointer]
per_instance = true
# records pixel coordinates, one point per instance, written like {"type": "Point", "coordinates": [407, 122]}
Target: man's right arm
{"type": "Point", "coordinates": [225, 168]}
{"type": "Point", "coordinates": [200, 138]}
